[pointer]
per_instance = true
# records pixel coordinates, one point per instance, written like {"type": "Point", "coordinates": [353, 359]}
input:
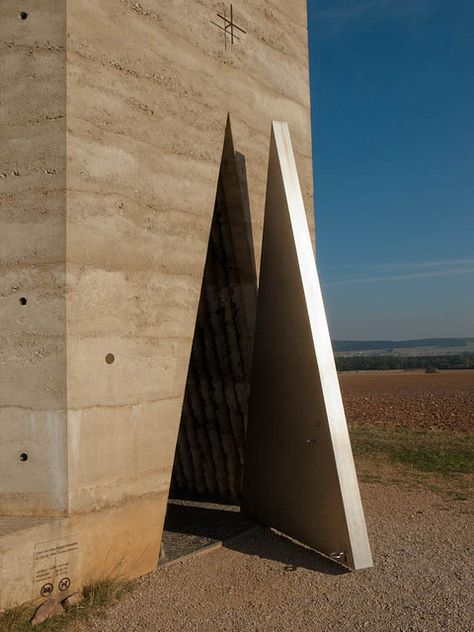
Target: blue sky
{"type": "Point", "coordinates": [392, 85]}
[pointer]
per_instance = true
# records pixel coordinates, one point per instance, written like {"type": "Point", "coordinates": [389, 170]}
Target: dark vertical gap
{"type": "Point", "coordinates": [209, 455]}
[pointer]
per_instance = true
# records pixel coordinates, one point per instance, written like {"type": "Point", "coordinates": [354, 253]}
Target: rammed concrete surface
{"type": "Point", "coordinates": [111, 142]}
{"type": "Point", "coordinates": [63, 554]}
{"type": "Point", "coordinates": [32, 258]}
{"type": "Point", "coordinates": [149, 90]}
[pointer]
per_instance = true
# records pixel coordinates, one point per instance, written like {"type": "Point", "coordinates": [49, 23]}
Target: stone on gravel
{"type": "Point", "coordinates": [73, 600]}
{"type": "Point", "coordinates": [48, 609]}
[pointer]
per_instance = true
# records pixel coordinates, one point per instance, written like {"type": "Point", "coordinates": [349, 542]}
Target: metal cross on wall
{"type": "Point", "coordinates": [229, 26]}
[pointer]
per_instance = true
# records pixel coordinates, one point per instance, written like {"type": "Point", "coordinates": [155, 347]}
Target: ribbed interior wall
{"type": "Point", "coordinates": [209, 454]}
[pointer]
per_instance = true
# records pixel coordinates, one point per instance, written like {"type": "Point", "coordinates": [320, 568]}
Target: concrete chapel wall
{"type": "Point", "coordinates": [149, 89]}
{"type": "Point", "coordinates": [33, 452]}
{"type": "Point", "coordinates": [113, 116]}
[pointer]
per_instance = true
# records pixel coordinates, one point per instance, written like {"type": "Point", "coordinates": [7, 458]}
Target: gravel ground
{"type": "Point", "coordinates": [422, 579]}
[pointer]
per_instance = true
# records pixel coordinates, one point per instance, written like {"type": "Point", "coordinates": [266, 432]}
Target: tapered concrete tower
{"type": "Point", "coordinates": [113, 118]}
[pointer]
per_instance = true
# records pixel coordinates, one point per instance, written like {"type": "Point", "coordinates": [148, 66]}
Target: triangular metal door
{"type": "Point", "coordinates": [299, 474]}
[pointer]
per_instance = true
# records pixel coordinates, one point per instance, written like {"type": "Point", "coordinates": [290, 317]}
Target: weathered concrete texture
{"type": "Point", "coordinates": [149, 90]}
{"type": "Point", "coordinates": [118, 542]}
{"type": "Point", "coordinates": [105, 229]}
{"type": "Point", "coordinates": [32, 258]}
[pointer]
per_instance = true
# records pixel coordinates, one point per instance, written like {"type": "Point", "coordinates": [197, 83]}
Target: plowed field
{"type": "Point", "coordinates": [412, 399]}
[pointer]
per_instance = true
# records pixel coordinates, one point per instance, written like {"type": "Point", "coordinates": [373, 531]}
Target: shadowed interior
{"type": "Point", "coordinates": [209, 454]}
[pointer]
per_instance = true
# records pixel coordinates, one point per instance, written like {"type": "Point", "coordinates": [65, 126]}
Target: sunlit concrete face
{"type": "Point", "coordinates": [106, 210]}
{"type": "Point", "coordinates": [149, 90]}
{"type": "Point", "coordinates": [33, 397]}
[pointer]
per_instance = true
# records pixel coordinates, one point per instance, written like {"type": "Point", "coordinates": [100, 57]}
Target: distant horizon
{"type": "Point", "coordinates": [392, 102]}
{"type": "Point", "coordinates": [389, 339]}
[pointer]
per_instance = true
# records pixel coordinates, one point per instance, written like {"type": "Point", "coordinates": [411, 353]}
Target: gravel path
{"type": "Point", "coordinates": [422, 579]}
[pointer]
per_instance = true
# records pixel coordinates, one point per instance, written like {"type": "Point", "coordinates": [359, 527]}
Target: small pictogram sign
{"type": "Point", "coordinates": [46, 590]}
{"type": "Point", "coordinates": [64, 584]}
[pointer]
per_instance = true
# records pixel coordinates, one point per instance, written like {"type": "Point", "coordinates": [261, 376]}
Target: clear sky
{"type": "Point", "coordinates": [392, 85]}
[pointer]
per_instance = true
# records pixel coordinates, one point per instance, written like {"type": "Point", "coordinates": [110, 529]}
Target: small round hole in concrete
{"type": "Point", "coordinates": [23, 300]}
{"type": "Point", "coordinates": [110, 358]}
{"type": "Point", "coordinates": [23, 456]}
{"type": "Point", "coordinates": [23, 15]}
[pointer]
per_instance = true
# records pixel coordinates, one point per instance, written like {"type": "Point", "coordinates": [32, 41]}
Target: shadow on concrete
{"type": "Point", "coordinates": [193, 525]}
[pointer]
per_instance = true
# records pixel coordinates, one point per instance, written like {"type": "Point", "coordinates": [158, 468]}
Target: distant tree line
{"type": "Point", "coordinates": [390, 363]}
{"type": "Point", "coordinates": [371, 345]}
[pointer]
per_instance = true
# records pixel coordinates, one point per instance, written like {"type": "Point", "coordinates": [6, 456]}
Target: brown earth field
{"type": "Point", "coordinates": [410, 399]}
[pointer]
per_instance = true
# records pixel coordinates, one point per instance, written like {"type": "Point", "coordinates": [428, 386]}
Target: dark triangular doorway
{"type": "Point", "coordinates": [209, 454]}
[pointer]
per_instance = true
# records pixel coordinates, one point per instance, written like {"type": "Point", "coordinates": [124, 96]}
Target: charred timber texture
{"type": "Point", "coordinates": [209, 454]}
